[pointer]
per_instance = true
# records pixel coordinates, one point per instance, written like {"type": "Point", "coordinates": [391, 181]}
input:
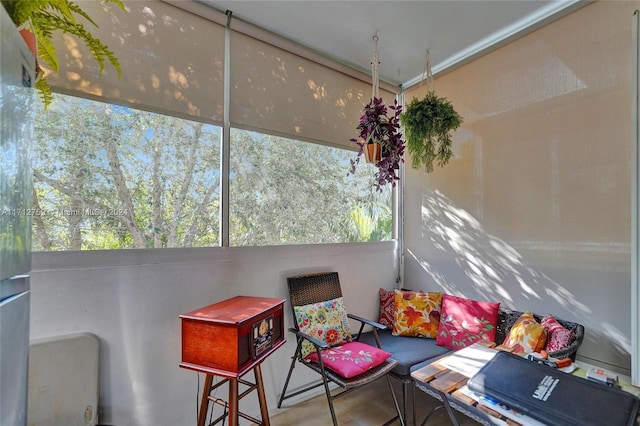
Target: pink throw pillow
{"type": "Point", "coordinates": [466, 321]}
{"type": "Point", "coordinates": [387, 307]}
{"type": "Point", "coordinates": [558, 337]}
{"type": "Point", "coordinates": [351, 359]}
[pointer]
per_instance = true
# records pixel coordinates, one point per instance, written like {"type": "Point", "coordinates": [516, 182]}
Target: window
{"type": "Point", "coordinates": [284, 191]}
{"type": "Point", "coordinates": [112, 177]}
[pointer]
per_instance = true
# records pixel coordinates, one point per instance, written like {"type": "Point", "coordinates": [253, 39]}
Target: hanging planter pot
{"type": "Point", "coordinates": [381, 141]}
{"type": "Point", "coordinates": [380, 137]}
{"type": "Point", "coordinates": [30, 40]}
{"type": "Point", "coordinates": [29, 36]}
{"type": "Point", "coordinates": [45, 18]}
{"type": "Point", "coordinates": [373, 153]}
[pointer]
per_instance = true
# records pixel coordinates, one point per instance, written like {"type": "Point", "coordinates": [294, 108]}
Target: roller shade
{"type": "Point", "coordinates": [171, 60]}
{"type": "Point", "coordinates": [278, 92]}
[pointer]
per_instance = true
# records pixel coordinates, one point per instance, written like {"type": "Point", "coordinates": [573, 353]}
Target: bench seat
{"type": "Point", "coordinates": [408, 351]}
{"type": "Point", "coordinates": [415, 352]}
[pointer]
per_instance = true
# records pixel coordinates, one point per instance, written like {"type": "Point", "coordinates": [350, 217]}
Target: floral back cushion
{"type": "Point", "coordinates": [466, 321]}
{"type": "Point", "coordinates": [351, 359]}
{"type": "Point", "coordinates": [416, 313]}
{"type": "Point", "coordinates": [526, 335]}
{"type": "Point", "coordinates": [325, 321]}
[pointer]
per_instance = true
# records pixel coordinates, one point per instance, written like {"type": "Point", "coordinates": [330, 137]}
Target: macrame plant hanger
{"type": "Point", "coordinates": [372, 153]}
{"type": "Point", "coordinates": [427, 75]}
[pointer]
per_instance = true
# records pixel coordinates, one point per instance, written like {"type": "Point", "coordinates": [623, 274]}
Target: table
{"type": "Point", "coordinates": [230, 339]}
{"type": "Point", "coordinates": [449, 387]}
{"type": "Point", "coordinates": [445, 379]}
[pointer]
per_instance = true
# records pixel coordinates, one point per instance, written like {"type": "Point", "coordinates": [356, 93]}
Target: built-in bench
{"type": "Point", "coordinates": [415, 352]}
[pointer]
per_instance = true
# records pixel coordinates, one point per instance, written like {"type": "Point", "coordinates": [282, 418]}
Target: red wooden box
{"type": "Point", "coordinates": [231, 337]}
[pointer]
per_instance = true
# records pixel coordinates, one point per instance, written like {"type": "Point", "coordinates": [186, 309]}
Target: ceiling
{"type": "Point", "coordinates": [454, 31]}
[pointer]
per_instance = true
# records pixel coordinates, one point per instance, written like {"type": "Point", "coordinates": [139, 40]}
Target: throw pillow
{"type": "Point", "coordinates": [416, 313]}
{"type": "Point", "coordinates": [526, 335]}
{"type": "Point", "coordinates": [351, 359]}
{"type": "Point", "coordinates": [387, 306]}
{"type": "Point", "coordinates": [558, 337]}
{"type": "Point", "coordinates": [325, 321]}
{"type": "Point", "coordinates": [466, 321]}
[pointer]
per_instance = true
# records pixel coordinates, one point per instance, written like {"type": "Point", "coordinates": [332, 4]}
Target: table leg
{"type": "Point", "coordinates": [450, 411]}
{"type": "Point", "coordinates": [204, 402]}
{"type": "Point", "coordinates": [233, 402]}
{"type": "Point", "coordinates": [264, 412]}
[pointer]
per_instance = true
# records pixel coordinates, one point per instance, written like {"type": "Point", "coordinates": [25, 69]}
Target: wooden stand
{"type": "Point", "coordinates": [229, 339]}
{"type": "Point", "coordinates": [231, 407]}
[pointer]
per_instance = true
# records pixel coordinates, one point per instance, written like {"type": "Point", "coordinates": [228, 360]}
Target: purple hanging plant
{"type": "Point", "coordinates": [380, 125]}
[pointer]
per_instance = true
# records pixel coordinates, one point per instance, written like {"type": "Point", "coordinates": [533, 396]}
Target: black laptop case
{"type": "Point", "coordinates": [551, 396]}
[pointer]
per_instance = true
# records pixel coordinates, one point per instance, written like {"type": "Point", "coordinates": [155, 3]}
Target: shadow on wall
{"type": "Point", "coordinates": [463, 259]}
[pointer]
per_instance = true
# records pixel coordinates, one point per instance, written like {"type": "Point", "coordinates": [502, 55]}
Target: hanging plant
{"type": "Point", "coordinates": [45, 17]}
{"type": "Point", "coordinates": [380, 136]}
{"type": "Point", "coordinates": [427, 126]}
{"type": "Point", "coordinates": [380, 125]}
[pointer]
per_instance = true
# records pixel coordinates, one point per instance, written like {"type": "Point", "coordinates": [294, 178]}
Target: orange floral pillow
{"type": "Point", "coordinates": [526, 335]}
{"type": "Point", "coordinates": [416, 313]}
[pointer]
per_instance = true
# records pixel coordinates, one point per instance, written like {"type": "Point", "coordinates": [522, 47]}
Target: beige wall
{"type": "Point", "coordinates": [534, 208]}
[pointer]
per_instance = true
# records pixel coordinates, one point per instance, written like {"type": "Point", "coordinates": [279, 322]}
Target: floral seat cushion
{"type": "Point", "coordinates": [351, 359]}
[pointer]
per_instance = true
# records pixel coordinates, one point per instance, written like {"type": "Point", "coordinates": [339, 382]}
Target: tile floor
{"type": "Point", "coordinates": [368, 406]}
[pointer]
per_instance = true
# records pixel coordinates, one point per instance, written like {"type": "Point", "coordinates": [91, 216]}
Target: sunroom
{"type": "Point", "coordinates": [223, 152]}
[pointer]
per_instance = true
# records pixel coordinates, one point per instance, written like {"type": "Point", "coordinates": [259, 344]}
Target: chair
{"type": "Point", "coordinates": [325, 288]}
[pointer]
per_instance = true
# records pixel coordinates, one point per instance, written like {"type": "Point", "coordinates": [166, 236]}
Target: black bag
{"type": "Point", "coordinates": [551, 396]}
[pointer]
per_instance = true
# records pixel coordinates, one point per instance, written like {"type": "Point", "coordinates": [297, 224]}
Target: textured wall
{"type": "Point", "coordinates": [534, 209]}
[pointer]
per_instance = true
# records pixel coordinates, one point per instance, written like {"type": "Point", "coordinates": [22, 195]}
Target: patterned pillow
{"type": "Point", "coordinates": [416, 313]}
{"type": "Point", "coordinates": [351, 359]}
{"type": "Point", "coordinates": [325, 321]}
{"type": "Point", "coordinates": [558, 337]}
{"type": "Point", "coordinates": [466, 321]}
{"type": "Point", "coordinates": [526, 335]}
{"type": "Point", "coordinates": [387, 306]}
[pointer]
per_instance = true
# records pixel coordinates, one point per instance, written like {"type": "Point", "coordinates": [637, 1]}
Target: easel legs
{"type": "Point", "coordinates": [232, 405]}
{"type": "Point", "coordinates": [264, 413]}
{"type": "Point", "coordinates": [204, 403]}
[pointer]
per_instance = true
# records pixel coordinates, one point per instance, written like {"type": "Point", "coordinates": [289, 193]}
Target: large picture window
{"type": "Point", "coordinates": [284, 191]}
{"type": "Point", "coordinates": [113, 177]}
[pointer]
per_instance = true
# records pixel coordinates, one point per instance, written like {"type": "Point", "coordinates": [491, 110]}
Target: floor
{"type": "Point", "coordinates": [371, 405]}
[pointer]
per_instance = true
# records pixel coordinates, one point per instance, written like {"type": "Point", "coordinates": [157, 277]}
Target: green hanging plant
{"type": "Point", "coordinates": [45, 17]}
{"type": "Point", "coordinates": [427, 126]}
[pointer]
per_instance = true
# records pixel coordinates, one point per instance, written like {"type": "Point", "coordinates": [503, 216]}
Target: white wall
{"type": "Point", "coordinates": [132, 299]}
{"type": "Point", "coordinates": [534, 208]}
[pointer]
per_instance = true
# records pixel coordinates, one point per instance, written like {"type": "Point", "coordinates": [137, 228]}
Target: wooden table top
{"type": "Point", "coordinates": [439, 377]}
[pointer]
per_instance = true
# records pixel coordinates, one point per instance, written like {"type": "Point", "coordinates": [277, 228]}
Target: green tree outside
{"type": "Point", "coordinates": [111, 177]}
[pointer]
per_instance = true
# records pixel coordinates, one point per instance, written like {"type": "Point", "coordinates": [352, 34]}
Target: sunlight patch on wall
{"type": "Point", "coordinates": [620, 341]}
{"type": "Point", "coordinates": [486, 261]}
